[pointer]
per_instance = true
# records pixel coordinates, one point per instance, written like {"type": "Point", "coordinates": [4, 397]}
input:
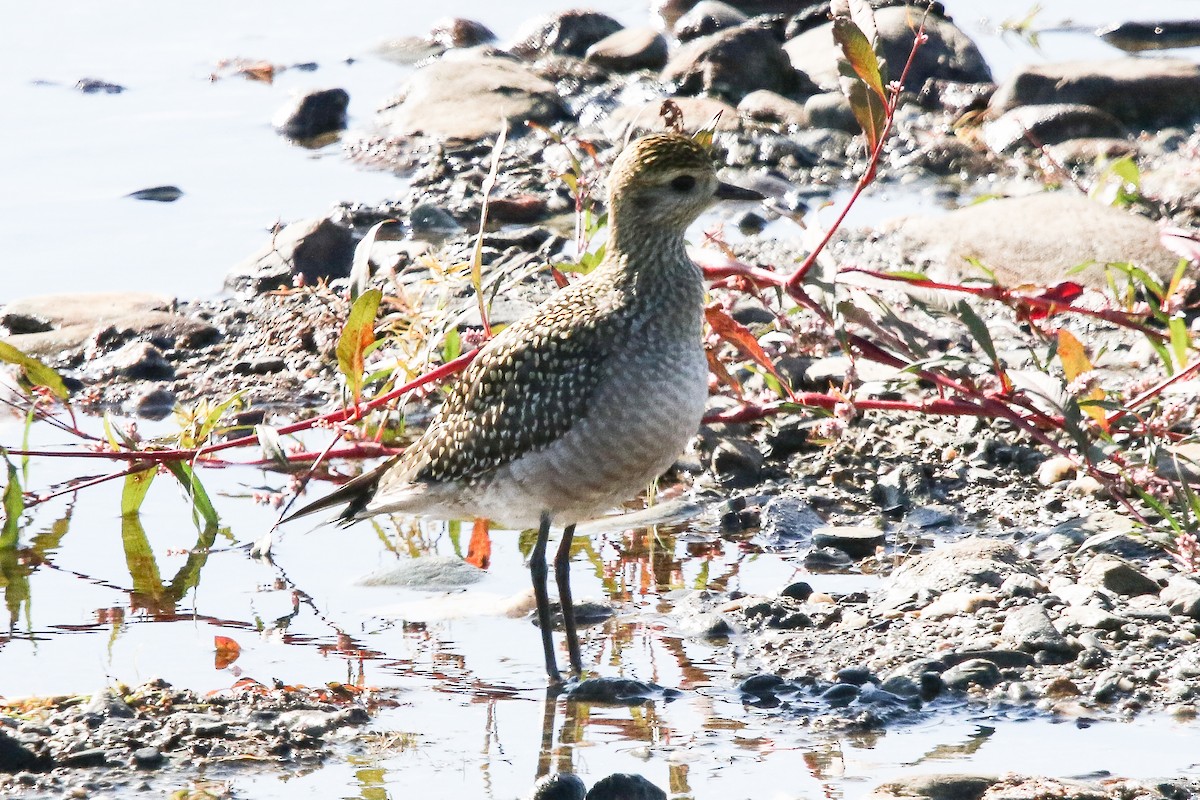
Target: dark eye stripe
{"type": "Point", "coordinates": [683, 183]}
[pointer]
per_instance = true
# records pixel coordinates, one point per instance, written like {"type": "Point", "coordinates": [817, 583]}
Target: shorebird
{"type": "Point", "coordinates": [578, 407]}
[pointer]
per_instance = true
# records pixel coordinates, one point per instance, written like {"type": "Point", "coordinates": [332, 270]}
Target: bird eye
{"type": "Point", "coordinates": [683, 183]}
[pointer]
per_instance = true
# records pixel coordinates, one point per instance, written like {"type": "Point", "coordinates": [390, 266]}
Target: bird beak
{"type": "Point", "coordinates": [727, 191]}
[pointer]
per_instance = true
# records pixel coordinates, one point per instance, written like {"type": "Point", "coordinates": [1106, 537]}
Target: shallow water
{"type": "Point", "coordinates": [98, 599]}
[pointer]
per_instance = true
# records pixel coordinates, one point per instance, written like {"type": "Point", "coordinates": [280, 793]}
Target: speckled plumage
{"type": "Point", "coordinates": [570, 411]}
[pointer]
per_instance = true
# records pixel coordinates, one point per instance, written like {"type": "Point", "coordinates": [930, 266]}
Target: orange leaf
{"type": "Point", "coordinates": [479, 551]}
{"type": "Point", "coordinates": [740, 337]}
{"type": "Point", "coordinates": [227, 651]}
{"type": "Point", "coordinates": [1075, 362]}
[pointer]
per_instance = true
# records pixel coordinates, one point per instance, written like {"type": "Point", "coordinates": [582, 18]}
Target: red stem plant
{"type": "Point", "coordinates": [874, 104]}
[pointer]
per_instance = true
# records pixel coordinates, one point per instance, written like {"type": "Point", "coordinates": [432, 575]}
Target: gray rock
{"type": "Point", "coordinates": [854, 541]}
{"type": "Point", "coordinates": [629, 50]}
{"type": "Point", "coordinates": [1182, 596]}
{"type": "Point", "coordinates": [789, 518]}
{"type": "Point", "coordinates": [697, 112]}
{"type": "Point", "coordinates": [428, 219]}
{"type": "Point", "coordinates": [1030, 126]}
{"type": "Point", "coordinates": [1089, 617]}
{"type": "Point", "coordinates": [1022, 585]}
{"type": "Point", "coordinates": [153, 402]}
{"type": "Point", "coordinates": [617, 691]}
{"type": "Point", "coordinates": [1037, 239]}
{"type": "Point", "coordinates": [934, 787]}
{"type": "Point", "coordinates": [315, 249]}
{"type": "Point", "coordinates": [458, 32]}
{"type": "Point", "coordinates": [1116, 575]}
{"type": "Point", "coordinates": [831, 110]}
{"type": "Point", "coordinates": [623, 786]}
{"type": "Point", "coordinates": [976, 672]}
{"type": "Point", "coordinates": [1030, 629]}
{"type": "Point", "coordinates": [1141, 92]}
{"type": "Point", "coordinates": [109, 704]}
{"type": "Point", "coordinates": [730, 64]}
{"type": "Point", "coordinates": [147, 757]}
{"type": "Point", "coordinates": [706, 18]}
{"type": "Point", "coordinates": [428, 572]}
{"type": "Point", "coordinates": [563, 786]}
{"type": "Point", "coordinates": [970, 563]}
{"type": "Point", "coordinates": [736, 462]}
{"type": "Point", "coordinates": [312, 114]}
{"type": "Point", "coordinates": [763, 105]}
{"type": "Point", "coordinates": [139, 361]}
{"type": "Point", "coordinates": [464, 100]}
{"type": "Point", "coordinates": [51, 311]}
{"type": "Point", "coordinates": [568, 33]}
{"type": "Point", "coordinates": [949, 54]}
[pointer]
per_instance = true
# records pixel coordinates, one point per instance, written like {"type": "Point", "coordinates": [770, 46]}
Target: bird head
{"type": "Point", "coordinates": [666, 180]}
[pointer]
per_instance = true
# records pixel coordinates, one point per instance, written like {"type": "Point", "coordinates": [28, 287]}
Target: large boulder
{"type": "Point", "coordinates": [314, 249]}
{"type": "Point", "coordinates": [731, 64]}
{"type": "Point", "coordinates": [465, 99]}
{"type": "Point", "coordinates": [566, 33]}
{"type": "Point", "coordinates": [948, 55]}
{"type": "Point", "coordinates": [1037, 239]}
{"type": "Point", "coordinates": [1141, 92]}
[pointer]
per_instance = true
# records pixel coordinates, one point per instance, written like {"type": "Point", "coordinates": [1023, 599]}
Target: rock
{"type": "Point", "coordinates": [706, 18]}
{"type": "Point", "coordinates": [1140, 92]}
{"type": "Point", "coordinates": [730, 64]}
{"type": "Point", "coordinates": [110, 705]}
{"type": "Point", "coordinates": [736, 462]}
{"type": "Point", "coordinates": [698, 112]}
{"type": "Point", "coordinates": [164, 329]}
{"type": "Point", "coordinates": [563, 786]}
{"type": "Point", "coordinates": [97, 86]}
{"type": "Point", "coordinates": [458, 32]}
{"type": "Point", "coordinates": [1022, 585]}
{"type": "Point", "coordinates": [623, 786]}
{"type": "Point", "coordinates": [788, 519]}
{"type": "Point", "coordinates": [934, 787]}
{"type": "Point", "coordinates": [427, 219]}
{"type": "Point", "coordinates": [629, 50]}
{"type": "Point", "coordinates": [1038, 239]}
{"type": "Point", "coordinates": [138, 361]}
{"type": "Point", "coordinates": [312, 114]}
{"type": "Point", "coordinates": [948, 55]}
{"type": "Point", "coordinates": [958, 601]}
{"type": "Point", "coordinates": [1116, 575]}
{"type": "Point", "coordinates": [1136, 36]}
{"type": "Point", "coordinates": [971, 563]}
{"type": "Point", "coordinates": [617, 691]}
{"type": "Point", "coordinates": [314, 249]}
{"type": "Point", "coordinates": [521, 209]}
{"type": "Point", "coordinates": [1182, 596]}
{"type": "Point", "coordinates": [672, 10]}
{"type": "Point", "coordinates": [17, 756]}
{"type": "Point", "coordinates": [147, 757]}
{"type": "Point", "coordinates": [1035, 125]}
{"type": "Point", "coordinates": [157, 194]}
{"type": "Point", "coordinates": [826, 559]}
{"type": "Point", "coordinates": [831, 110]}
{"type": "Point", "coordinates": [763, 105]}
{"type": "Point", "coordinates": [1055, 469]}
{"type": "Point", "coordinates": [153, 402]}
{"type": "Point", "coordinates": [428, 572]}
{"type": "Point", "coordinates": [854, 541]}
{"type": "Point", "coordinates": [464, 99]}
{"type": "Point", "coordinates": [568, 33]}
{"type": "Point", "coordinates": [976, 672]}
{"type": "Point", "coordinates": [1089, 617]}
{"type": "Point", "coordinates": [51, 311]}
{"type": "Point", "coordinates": [1030, 629]}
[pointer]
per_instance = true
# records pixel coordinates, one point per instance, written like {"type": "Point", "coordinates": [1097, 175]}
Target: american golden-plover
{"type": "Point", "coordinates": [578, 407]}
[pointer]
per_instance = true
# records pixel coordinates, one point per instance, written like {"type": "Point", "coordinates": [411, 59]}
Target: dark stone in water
{"type": "Point", "coordinates": [313, 114]}
{"type": "Point", "coordinates": [623, 786]}
{"type": "Point", "coordinates": [97, 86]}
{"type": "Point", "coordinates": [840, 695]}
{"type": "Point", "coordinates": [158, 194]}
{"type": "Point", "coordinates": [855, 676]}
{"type": "Point", "coordinates": [618, 692]}
{"type": "Point", "coordinates": [563, 786]}
{"type": "Point", "coordinates": [797, 591]}
{"type": "Point", "coordinates": [1134, 37]}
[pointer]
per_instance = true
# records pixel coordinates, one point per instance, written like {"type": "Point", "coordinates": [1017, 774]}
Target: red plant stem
{"type": "Point", "coordinates": [42, 498]}
{"type": "Point", "coordinates": [1155, 391]}
{"type": "Point", "coordinates": [868, 176]}
{"type": "Point", "coordinates": [1006, 296]}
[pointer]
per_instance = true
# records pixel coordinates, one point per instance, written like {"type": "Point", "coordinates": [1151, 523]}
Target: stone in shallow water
{"type": "Point", "coordinates": [313, 113]}
{"type": "Point", "coordinates": [562, 786]}
{"type": "Point", "coordinates": [428, 572]}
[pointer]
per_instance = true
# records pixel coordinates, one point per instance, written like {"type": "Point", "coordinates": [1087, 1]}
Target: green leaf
{"type": "Point", "coordinates": [202, 507]}
{"type": "Point", "coordinates": [908, 275]}
{"type": "Point", "coordinates": [978, 329]}
{"type": "Point", "coordinates": [14, 507]}
{"type": "Point", "coordinates": [1181, 342]}
{"type": "Point", "coordinates": [869, 111]}
{"type": "Point", "coordinates": [859, 54]}
{"type": "Point", "coordinates": [134, 492]}
{"type": "Point", "coordinates": [35, 371]}
{"type": "Point", "coordinates": [451, 346]}
{"type": "Point", "coordinates": [214, 417]}
{"type": "Point", "coordinates": [357, 335]}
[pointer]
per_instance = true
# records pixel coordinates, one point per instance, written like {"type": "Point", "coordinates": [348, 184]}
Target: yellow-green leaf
{"type": "Point", "coordinates": [859, 54]}
{"type": "Point", "coordinates": [357, 335]}
{"type": "Point", "coordinates": [14, 507]}
{"type": "Point", "coordinates": [35, 371]}
{"type": "Point", "coordinates": [136, 486]}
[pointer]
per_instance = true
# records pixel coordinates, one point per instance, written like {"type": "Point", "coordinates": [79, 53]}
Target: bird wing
{"type": "Point", "coordinates": [524, 389]}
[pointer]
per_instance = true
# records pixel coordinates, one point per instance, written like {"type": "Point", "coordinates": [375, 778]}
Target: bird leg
{"type": "Point", "coordinates": [537, 570]}
{"type": "Point", "coordinates": [562, 576]}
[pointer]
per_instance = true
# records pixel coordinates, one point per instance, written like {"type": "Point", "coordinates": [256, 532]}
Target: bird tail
{"type": "Point", "coordinates": [354, 495]}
